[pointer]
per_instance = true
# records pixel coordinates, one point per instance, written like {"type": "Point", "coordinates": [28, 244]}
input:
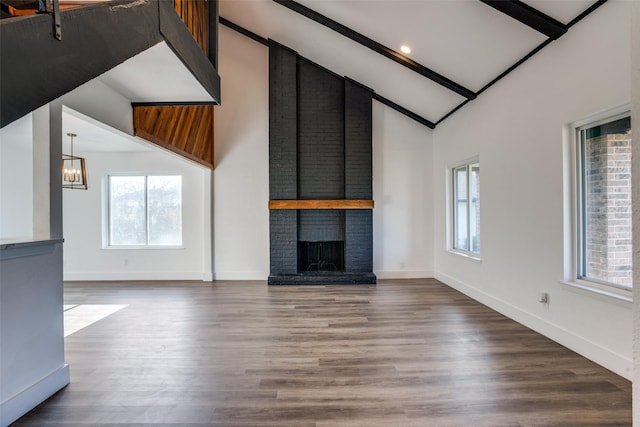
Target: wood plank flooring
{"type": "Point", "coordinates": [402, 353]}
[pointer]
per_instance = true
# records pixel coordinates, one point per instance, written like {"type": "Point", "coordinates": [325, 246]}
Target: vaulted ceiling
{"type": "Point", "coordinates": [459, 48]}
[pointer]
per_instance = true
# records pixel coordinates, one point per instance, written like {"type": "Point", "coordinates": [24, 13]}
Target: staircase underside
{"type": "Point", "coordinates": [37, 68]}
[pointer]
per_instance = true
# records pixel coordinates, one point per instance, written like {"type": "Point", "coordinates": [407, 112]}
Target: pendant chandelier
{"type": "Point", "coordinates": [74, 169]}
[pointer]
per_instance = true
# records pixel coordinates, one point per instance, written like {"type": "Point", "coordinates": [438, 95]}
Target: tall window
{"type": "Point", "coordinates": [466, 207]}
{"type": "Point", "coordinates": [145, 210]}
{"type": "Point", "coordinates": [604, 202]}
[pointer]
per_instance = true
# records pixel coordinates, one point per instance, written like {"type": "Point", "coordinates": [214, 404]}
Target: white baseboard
{"type": "Point", "coordinates": [21, 403]}
{"type": "Point", "coordinates": [261, 275]}
{"type": "Point", "coordinates": [613, 361]}
{"type": "Point", "coordinates": [240, 275]}
{"type": "Point", "coordinates": [136, 275]}
{"type": "Point", "coordinates": [404, 274]}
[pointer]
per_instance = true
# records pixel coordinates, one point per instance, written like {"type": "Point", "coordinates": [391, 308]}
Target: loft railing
{"type": "Point", "coordinates": [201, 18]}
{"type": "Point", "coordinates": [195, 15]}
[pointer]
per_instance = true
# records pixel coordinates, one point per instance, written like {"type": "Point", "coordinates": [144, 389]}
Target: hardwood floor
{"type": "Point", "coordinates": [402, 353]}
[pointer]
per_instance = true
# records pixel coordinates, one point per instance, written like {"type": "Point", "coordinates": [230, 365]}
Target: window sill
{"type": "Point", "coordinates": [614, 293]}
{"type": "Point", "coordinates": [142, 248]}
{"type": "Point", "coordinates": [466, 255]}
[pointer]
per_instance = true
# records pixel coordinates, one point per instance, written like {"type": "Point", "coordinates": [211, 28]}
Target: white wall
{"type": "Point", "coordinates": [16, 180]}
{"type": "Point", "coordinates": [403, 194]}
{"type": "Point", "coordinates": [24, 178]}
{"type": "Point", "coordinates": [84, 255]}
{"type": "Point", "coordinates": [635, 123]}
{"type": "Point", "coordinates": [241, 174]}
{"type": "Point", "coordinates": [516, 128]}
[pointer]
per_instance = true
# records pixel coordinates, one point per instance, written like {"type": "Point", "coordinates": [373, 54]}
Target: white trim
{"type": "Point", "coordinates": [469, 161]}
{"type": "Point", "coordinates": [450, 208]}
{"type": "Point", "coordinates": [571, 203]}
{"type": "Point", "coordinates": [142, 248]}
{"type": "Point", "coordinates": [404, 274]}
{"type": "Point", "coordinates": [106, 209]}
{"type": "Point", "coordinates": [22, 402]}
{"type": "Point", "coordinates": [609, 291]}
{"type": "Point", "coordinates": [615, 362]}
{"type": "Point", "coordinates": [469, 255]}
{"type": "Point", "coordinates": [240, 275]}
{"type": "Point", "coordinates": [602, 116]}
{"type": "Point", "coordinates": [138, 275]}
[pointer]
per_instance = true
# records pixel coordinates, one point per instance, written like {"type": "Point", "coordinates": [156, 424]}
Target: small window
{"type": "Point", "coordinates": [604, 202]}
{"type": "Point", "coordinates": [144, 210]}
{"type": "Point", "coordinates": [466, 208]}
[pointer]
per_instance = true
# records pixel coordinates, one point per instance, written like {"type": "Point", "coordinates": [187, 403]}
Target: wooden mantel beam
{"type": "Point", "coordinates": [320, 204]}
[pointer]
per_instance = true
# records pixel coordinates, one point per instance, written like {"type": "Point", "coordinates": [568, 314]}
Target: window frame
{"type": "Point", "coordinates": [452, 208]}
{"type": "Point", "coordinates": [106, 216]}
{"type": "Point", "coordinates": [576, 257]}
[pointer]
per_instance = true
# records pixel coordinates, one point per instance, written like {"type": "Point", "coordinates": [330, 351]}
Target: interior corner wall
{"type": "Point", "coordinates": [516, 128]}
{"type": "Point", "coordinates": [402, 176]}
{"type": "Point", "coordinates": [241, 173]}
{"type": "Point", "coordinates": [635, 123]}
{"type": "Point", "coordinates": [84, 255]}
{"type": "Point", "coordinates": [113, 109]}
{"type": "Point", "coordinates": [403, 195]}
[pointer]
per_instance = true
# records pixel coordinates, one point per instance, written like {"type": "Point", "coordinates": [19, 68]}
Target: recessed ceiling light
{"type": "Point", "coordinates": [405, 49]}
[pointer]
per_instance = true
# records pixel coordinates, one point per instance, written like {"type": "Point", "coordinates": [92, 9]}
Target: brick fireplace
{"type": "Point", "coordinates": [321, 229]}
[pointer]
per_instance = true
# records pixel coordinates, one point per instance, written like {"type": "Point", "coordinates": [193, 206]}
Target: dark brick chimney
{"type": "Point", "coordinates": [319, 149]}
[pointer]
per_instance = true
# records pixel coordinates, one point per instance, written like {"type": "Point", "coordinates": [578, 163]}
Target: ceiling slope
{"type": "Point", "coordinates": [459, 48]}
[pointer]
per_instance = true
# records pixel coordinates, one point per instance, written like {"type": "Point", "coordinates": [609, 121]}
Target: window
{"type": "Point", "coordinates": [144, 210]}
{"type": "Point", "coordinates": [604, 202]}
{"type": "Point", "coordinates": [466, 207]}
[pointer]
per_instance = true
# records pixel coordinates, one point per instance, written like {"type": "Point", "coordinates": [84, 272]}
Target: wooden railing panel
{"type": "Point", "coordinates": [195, 15]}
{"type": "Point", "coordinates": [185, 130]}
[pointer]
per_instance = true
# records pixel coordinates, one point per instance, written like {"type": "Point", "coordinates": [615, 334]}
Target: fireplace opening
{"type": "Point", "coordinates": [321, 256]}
